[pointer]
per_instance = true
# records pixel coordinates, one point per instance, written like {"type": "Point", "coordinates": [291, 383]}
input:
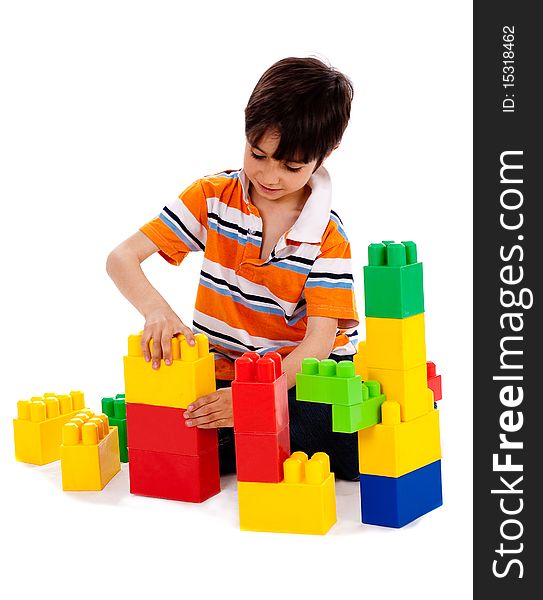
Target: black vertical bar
{"type": "Point", "coordinates": [508, 355]}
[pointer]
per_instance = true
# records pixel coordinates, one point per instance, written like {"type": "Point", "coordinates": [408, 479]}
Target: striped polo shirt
{"type": "Point", "coordinates": [247, 303]}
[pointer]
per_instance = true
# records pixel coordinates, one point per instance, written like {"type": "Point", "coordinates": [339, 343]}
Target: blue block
{"type": "Point", "coordinates": [396, 501]}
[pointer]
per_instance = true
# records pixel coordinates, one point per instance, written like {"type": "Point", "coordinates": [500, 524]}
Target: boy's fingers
{"type": "Point", "coordinates": [203, 400]}
{"type": "Point", "coordinates": [189, 335]}
{"type": "Point", "coordinates": [206, 409]}
{"type": "Point", "coordinates": [144, 343]}
{"type": "Point", "coordinates": [202, 420]}
{"type": "Point", "coordinates": [217, 423]}
{"type": "Point", "coordinates": [156, 353]}
{"type": "Point", "coordinates": [166, 343]}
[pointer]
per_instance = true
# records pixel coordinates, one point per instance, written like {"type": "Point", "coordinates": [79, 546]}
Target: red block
{"type": "Point", "coordinates": [163, 429]}
{"type": "Point", "coordinates": [434, 381]}
{"type": "Point", "coordinates": [260, 456]}
{"type": "Point", "coordinates": [174, 476]}
{"type": "Point", "coordinates": [259, 394]}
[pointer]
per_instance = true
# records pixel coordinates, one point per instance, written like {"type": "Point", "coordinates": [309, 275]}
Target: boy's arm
{"type": "Point", "coordinates": [161, 323]}
{"type": "Point", "coordinates": [317, 343]}
{"type": "Point", "coordinates": [215, 410]}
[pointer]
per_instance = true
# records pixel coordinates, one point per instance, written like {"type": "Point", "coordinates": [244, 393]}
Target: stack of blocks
{"type": "Point", "coordinates": [115, 409]}
{"type": "Point", "coordinates": [400, 457]}
{"type": "Point", "coordinates": [89, 454]}
{"type": "Point", "coordinates": [276, 493]}
{"type": "Point", "coordinates": [167, 459]}
{"type": "Point", "coordinates": [355, 404]}
{"type": "Point", "coordinates": [38, 426]}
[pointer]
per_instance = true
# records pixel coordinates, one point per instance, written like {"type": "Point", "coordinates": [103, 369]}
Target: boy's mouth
{"type": "Point", "coordinates": [267, 189]}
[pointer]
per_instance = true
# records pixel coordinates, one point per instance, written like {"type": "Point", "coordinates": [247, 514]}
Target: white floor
{"type": "Point", "coordinates": [108, 543]}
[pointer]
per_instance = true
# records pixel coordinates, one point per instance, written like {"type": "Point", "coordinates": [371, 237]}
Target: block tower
{"type": "Point", "coordinates": [400, 457]}
{"type": "Point", "coordinates": [167, 459]}
{"type": "Point", "coordinates": [277, 492]}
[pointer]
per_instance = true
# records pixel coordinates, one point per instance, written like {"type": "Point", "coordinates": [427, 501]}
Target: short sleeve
{"type": "Point", "coordinates": [329, 289]}
{"type": "Point", "coordinates": [181, 227]}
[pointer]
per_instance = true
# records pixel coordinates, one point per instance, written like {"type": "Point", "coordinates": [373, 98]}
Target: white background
{"type": "Point", "coordinates": [108, 110]}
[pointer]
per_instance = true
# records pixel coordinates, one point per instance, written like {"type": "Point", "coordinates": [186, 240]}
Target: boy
{"type": "Point", "coordinates": [276, 273]}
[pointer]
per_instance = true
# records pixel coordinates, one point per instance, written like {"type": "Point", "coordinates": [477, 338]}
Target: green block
{"type": "Point", "coordinates": [393, 285]}
{"type": "Point", "coordinates": [115, 409]}
{"type": "Point", "coordinates": [328, 382]}
{"type": "Point", "coordinates": [123, 445]}
{"type": "Point", "coordinates": [348, 419]}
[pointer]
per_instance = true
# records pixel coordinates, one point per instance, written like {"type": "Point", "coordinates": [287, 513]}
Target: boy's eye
{"type": "Point", "coordinates": [293, 169]}
{"type": "Point", "coordinates": [257, 156]}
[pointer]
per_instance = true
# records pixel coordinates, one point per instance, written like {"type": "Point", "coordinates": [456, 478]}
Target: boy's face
{"type": "Point", "coordinates": [273, 179]}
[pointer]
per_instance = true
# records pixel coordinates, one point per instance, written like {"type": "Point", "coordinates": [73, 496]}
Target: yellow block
{"type": "Point", "coordinates": [37, 430]}
{"type": "Point", "coordinates": [304, 502]}
{"type": "Point", "coordinates": [191, 374]}
{"type": "Point", "coordinates": [408, 387]}
{"type": "Point", "coordinates": [393, 448]}
{"type": "Point", "coordinates": [89, 454]}
{"type": "Point", "coordinates": [395, 343]}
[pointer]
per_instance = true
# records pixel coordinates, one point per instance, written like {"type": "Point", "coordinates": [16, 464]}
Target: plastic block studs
{"type": "Point", "coordinates": [304, 502]}
{"type": "Point", "coordinates": [115, 409]}
{"type": "Point", "coordinates": [191, 374]}
{"type": "Point", "coordinates": [38, 427]}
{"type": "Point", "coordinates": [393, 281]}
{"type": "Point", "coordinates": [328, 382]}
{"type": "Point", "coordinates": [89, 454]}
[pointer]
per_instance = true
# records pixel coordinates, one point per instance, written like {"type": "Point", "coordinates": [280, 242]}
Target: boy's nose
{"type": "Point", "coordinates": [270, 177]}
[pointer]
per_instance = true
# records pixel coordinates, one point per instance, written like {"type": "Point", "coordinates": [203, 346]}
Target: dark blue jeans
{"type": "Point", "coordinates": [310, 431]}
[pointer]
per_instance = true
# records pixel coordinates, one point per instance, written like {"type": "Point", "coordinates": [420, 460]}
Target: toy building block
{"type": "Point", "coordinates": [395, 343]}
{"type": "Point", "coordinates": [304, 502]}
{"type": "Point", "coordinates": [328, 382]}
{"type": "Point", "coordinates": [260, 456]}
{"type": "Point", "coordinates": [174, 476]}
{"type": "Point", "coordinates": [393, 281]}
{"type": "Point", "coordinates": [393, 448]}
{"type": "Point", "coordinates": [163, 429]}
{"type": "Point", "coordinates": [89, 454]}
{"type": "Point", "coordinates": [115, 409]}
{"type": "Point", "coordinates": [191, 374]}
{"type": "Point", "coordinates": [433, 380]}
{"type": "Point", "coordinates": [259, 394]}
{"type": "Point", "coordinates": [348, 419]}
{"type": "Point", "coordinates": [408, 387]}
{"type": "Point", "coordinates": [38, 427]}
{"type": "Point", "coordinates": [394, 502]}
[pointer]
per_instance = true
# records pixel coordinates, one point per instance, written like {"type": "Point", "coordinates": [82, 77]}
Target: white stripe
{"type": "Point", "coordinates": [233, 215]}
{"type": "Point", "coordinates": [246, 286]}
{"type": "Point", "coordinates": [339, 266]}
{"type": "Point", "coordinates": [181, 211]}
{"type": "Point", "coordinates": [239, 334]}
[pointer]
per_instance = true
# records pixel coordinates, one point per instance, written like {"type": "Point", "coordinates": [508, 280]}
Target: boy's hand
{"type": "Point", "coordinates": [160, 326]}
{"type": "Point", "coordinates": [211, 411]}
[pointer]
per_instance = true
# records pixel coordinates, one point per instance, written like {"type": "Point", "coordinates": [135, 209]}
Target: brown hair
{"type": "Point", "coordinates": [306, 101]}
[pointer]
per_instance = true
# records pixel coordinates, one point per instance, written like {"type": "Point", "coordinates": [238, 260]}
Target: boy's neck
{"type": "Point", "coordinates": [291, 203]}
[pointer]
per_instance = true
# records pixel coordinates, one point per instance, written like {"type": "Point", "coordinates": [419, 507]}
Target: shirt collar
{"type": "Point", "coordinates": [313, 220]}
